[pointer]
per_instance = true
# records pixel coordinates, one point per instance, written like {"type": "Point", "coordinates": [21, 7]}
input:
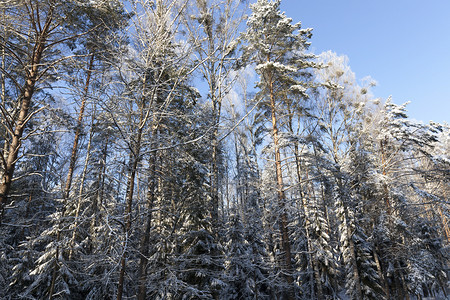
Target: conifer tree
{"type": "Point", "coordinates": [277, 48]}
{"type": "Point", "coordinates": [42, 39]}
{"type": "Point", "coordinates": [119, 180]}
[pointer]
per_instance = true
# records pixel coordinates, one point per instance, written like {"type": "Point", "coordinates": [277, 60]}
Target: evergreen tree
{"type": "Point", "coordinates": [277, 48]}
{"type": "Point", "coordinates": [119, 180]}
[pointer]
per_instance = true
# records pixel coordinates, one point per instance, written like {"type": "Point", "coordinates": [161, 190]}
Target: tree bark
{"type": "Point", "coordinates": [23, 118]}
{"type": "Point", "coordinates": [351, 245]}
{"type": "Point", "coordinates": [283, 220]}
{"type": "Point", "coordinates": [134, 159]}
{"type": "Point", "coordinates": [383, 143]}
{"type": "Point", "coordinates": [80, 190]}
{"type": "Point", "coordinates": [355, 270]}
{"type": "Point", "coordinates": [73, 156]}
{"type": "Point", "coordinates": [381, 274]}
{"type": "Point", "coordinates": [135, 152]}
{"type": "Point", "coordinates": [313, 267]}
{"type": "Point", "coordinates": [217, 104]}
{"type": "Point", "coordinates": [101, 186]}
{"type": "Point", "coordinates": [142, 271]}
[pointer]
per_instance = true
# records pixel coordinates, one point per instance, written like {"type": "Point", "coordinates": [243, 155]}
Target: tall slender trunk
{"type": "Point", "coordinates": [214, 174]}
{"type": "Point", "coordinates": [80, 190]}
{"type": "Point", "coordinates": [239, 195]}
{"type": "Point", "coordinates": [129, 203]}
{"type": "Point", "coordinates": [3, 142]}
{"type": "Point", "coordinates": [215, 94]}
{"type": "Point", "coordinates": [214, 178]}
{"type": "Point", "coordinates": [144, 246]}
{"type": "Point", "coordinates": [381, 274]}
{"type": "Point", "coordinates": [351, 245]}
{"type": "Point", "coordinates": [101, 186]}
{"type": "Point", "coordinates": [23, 118]}
{"type": "Point", "coordinates": [55, 269]}
{"type": "Point", "coordinates": [383, 144]}
{"type": "Point", "coordinates": [134, 159]}
{"type": "Point", "coordinates": [403, 289]}
{"type": "Point", "coordinates": [444, 222]}
{"type": "Point", "coordinates": [346, 220]}
{"type": "Point", "coordinates": [355, 270]}
{"type": "Point", "coordinates": [3, 65]}
{"type": "Point", "coordinates": [135, 152]}
{"type": "Point", "coordinates": [73, 156]}
{"type": "Point", "coordinates": [305, 211]}
{"type": "Point", "coordinates": [283, 220]}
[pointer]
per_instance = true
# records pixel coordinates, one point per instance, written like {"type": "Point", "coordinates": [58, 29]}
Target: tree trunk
{"type": "Point", "coordinates": [135, 152]}
{"type": "Point", "coordinates": [381, 274]}
{"type": "Point", "coordinates": [134, 159]}
{"type": "Point", "coordinates": [54, 273]}
{"type": "Point", "coordinates": [4, 145]}
{"type": "Point", "coordinates": [215, 94]}
{"type": "Point", "coordinates": [312, 263]}
{"type": "Point", "coordinates": [444, 222]}
{"type": "Point", "coordinates": [215, 177]}
{"type": "Point", "coordinates": [23, 118]}
{"type": "Point", "coordinates": [80, 191]}
{"type": "Point", "coordinates": [142, 271]}
{"type": "Point", "coordinates": [351, 244]}
{"type": "Point", "coordinates": [355, 270]}
{"type": "Point", "coordinates": [101, 186]}
{"type": "Point", "coordinates": [403, 282]}
{"type": "Point", "coordinates": [383, 143]}
{"type": "Point", "coordinates": [283, 220]}
{"type": "Point", "coordinates": [73, 156]}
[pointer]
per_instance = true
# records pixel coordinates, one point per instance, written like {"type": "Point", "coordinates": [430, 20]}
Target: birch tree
{"type": "Point", "coordinates": [341, 110]}
{"type": "Point", "coordinates": [213, 31]}
{"type": "Point", "coordinates": [148, 82]}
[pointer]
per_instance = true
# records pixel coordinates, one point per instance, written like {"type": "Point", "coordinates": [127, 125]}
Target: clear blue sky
{"type": "Point", "coordinates": [403, 45]}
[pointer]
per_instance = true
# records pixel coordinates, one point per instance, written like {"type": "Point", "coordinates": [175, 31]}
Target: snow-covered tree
{"type": "Point", "coordinates": [277, 48]}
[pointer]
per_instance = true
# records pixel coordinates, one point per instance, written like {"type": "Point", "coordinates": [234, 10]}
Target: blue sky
{"type": "Point", "coordinates": [403, 45]}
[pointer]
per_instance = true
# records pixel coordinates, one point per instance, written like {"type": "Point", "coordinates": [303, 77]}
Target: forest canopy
{"type": "Point", "coordinates": [181, 149]}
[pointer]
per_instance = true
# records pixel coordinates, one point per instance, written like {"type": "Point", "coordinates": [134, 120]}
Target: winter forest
{"type": "Point", "coordinates": [197, 149]}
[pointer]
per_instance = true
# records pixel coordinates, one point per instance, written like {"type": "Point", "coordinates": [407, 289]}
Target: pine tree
{"type": "Point", "coordinates": [42, 40]}
{"type": "Point", "coordinates": [277, 48]}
